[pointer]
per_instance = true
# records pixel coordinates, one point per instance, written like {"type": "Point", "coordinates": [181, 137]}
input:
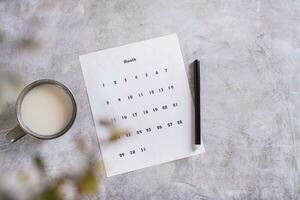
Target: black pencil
{"type": "Point", "coordinates": [197, 102]}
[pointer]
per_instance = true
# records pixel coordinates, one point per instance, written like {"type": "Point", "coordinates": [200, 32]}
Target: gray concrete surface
{"type": "Point", "coordinates": [250, 54]}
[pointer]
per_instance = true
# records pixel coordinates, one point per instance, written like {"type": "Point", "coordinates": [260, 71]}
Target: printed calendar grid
{"type": "Point", "coordinates": [156, 129]}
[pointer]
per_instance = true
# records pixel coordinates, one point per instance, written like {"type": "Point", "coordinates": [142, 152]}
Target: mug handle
{"type": "Point", "coordinates": [15, 134]}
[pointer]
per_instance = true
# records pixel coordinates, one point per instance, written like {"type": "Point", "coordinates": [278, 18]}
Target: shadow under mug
{"type": "Point", "coordinates": [21, 129]}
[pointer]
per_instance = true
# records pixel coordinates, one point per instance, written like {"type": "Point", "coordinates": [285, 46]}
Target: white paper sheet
{"type": "Point", "coordinates": [143, 88]}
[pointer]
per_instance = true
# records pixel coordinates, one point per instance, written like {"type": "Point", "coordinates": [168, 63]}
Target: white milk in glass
{"type": "Point", "coordinates": [46, 109]}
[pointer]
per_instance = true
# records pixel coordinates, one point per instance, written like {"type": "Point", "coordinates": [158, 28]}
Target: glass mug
{"type": "Point", "coordinates": [45, 109]}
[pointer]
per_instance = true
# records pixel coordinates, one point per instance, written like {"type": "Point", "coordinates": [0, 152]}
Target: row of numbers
{"type": "Point", "coordinates": [158, 127]}
{"type": "Point", "coordinates": [145, 112]}
{"type": "Point", "coordinates": [142, 94]}
{"type": "Point", "coordinates": [132, 152]}
{"type": "Point", "coordinates": [136, 77]}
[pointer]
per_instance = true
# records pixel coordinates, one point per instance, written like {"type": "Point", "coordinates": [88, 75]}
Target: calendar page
{"type": "Point", "coordinates": [141, 88]}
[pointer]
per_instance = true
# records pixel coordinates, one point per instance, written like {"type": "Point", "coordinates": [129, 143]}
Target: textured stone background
{"type": "Point", "coordinates": [250, 53]}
